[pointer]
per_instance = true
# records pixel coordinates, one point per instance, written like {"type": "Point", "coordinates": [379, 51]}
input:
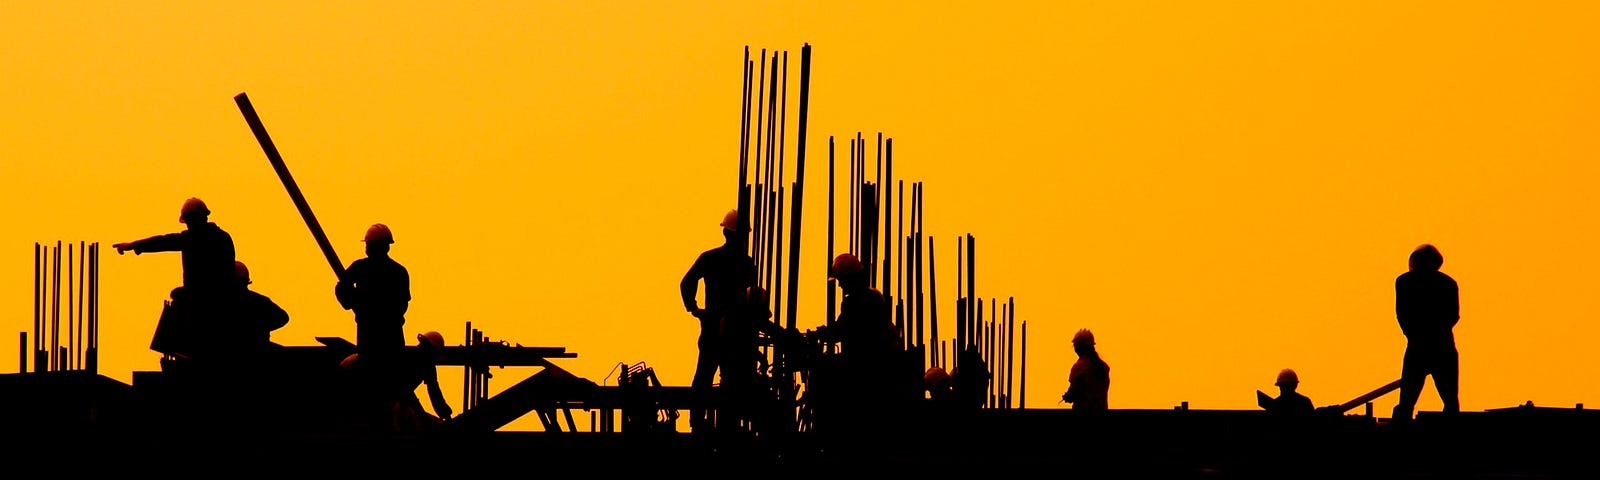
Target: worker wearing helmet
{"type": "Point", "coordinates": [421, 369]}
{"type": "Point", "coordinates": [207, 256]}
{"type": "Point", "coordinates": [257, 315]}
{"type": "Point", "coordinates": [1427, 305]}
{"type": "Point", "coordinates": [1289, 402]}
{"type": "Point", "coordinates": [378, 289]}
{"type": "Point", "coordinates": [387, 393]}
{"type": "Point", "coordinates": [866, 335]}
{"type": "Point", "coordinates": [1089, 382]}
{"type": "Point", "coordinates": [727, 271]}
{"type": "Point", "coordinates": [870, 350]}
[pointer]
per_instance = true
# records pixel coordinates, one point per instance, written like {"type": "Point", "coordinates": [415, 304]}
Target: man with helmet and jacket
{"type": "Point", "coordinates": [208, 278]}
{"type": "Point", "coordinates": [728, 271]}
{"type": "Point", "coordinates": [1089, 382]}
{"type": "Point", "coordinates": [378, 290]}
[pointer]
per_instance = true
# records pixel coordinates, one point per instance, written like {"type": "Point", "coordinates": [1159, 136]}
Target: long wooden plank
{"type": "Point", "coordinates": [1369, 396]}
{"type": "Point", "coordinates": [299, 199]}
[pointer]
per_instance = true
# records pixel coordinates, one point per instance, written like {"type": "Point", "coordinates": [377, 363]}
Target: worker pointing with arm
{"type": "Point", "coordinates": [208, 277]}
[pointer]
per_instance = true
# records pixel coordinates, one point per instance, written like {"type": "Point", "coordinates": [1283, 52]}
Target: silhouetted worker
{"type": "Point", "coordinates": [1089, 382]}
{"type": "Point", "coordinates": [421, 368]}
{"type": "Point", "coordinates": [208, 258]}
{"type": "Point", "coordinates": [869, 350]}
{"type": "Point", "coordinates": [1427, 305]}
{"type": "Point", "coordinates": [257, 316]}
{"type": "Point", "coordinates": [386, 392]}
{"type": "Point", "coordinates": [378, 289]}
{"type": "Point", "coordinates": [727, 271]}
{"type": "Point", "coordinates": [1289, 402]}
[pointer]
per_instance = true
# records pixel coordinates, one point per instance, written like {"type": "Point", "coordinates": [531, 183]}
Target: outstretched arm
{"type": "Point", "coordinates": [170, 242]}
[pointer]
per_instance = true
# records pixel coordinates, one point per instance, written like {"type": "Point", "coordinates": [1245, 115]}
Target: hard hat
{"type": "Point", "coordinates": [844, 265]}
{"type": "Point", "coordinates": [241, 272]}
{"type": "Point", "coordinates": [378, 233]}
{"type": "Point", "coordinates": [1084, 336]}
{"type": "Point", "coordinates": [433, 338]}
{"type": "Point", "coordinates": [730, 221]}
{"type": "Point", "coordinates": [1287, 376]}
{"type": "Point", "coordinates": [192, 207]}
{"type": "Point", "coordinates": [934, 377]}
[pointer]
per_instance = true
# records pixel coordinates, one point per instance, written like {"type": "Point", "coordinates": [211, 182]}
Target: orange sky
{"type": "Point", "coordinates": [1218, 189]}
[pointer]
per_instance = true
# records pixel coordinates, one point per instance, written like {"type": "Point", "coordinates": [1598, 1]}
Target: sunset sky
{"type": "Point", "coordinates": [1219, 190]}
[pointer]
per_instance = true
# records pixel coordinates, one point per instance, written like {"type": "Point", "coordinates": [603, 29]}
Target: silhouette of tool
{"type": "Point", "coordinates": [271, 150]}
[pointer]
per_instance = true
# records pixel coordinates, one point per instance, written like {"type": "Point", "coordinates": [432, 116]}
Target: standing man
{"type": "Point", "coordinates": [1427, 304]}
{"type": "Point", "coordinates": [728, 271]}
{"type": "Point", "coordinates": [1089, 382]}
{"type": "Point", "coordinates": [208, 276]}
{"type": "Point", "coordinates": [378, 289]}
{"type": "Point", "coordinates": [862, 405]}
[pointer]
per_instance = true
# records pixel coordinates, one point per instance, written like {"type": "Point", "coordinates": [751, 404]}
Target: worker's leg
{"type": "Point", "coordinates": [1447, 377]}
{"type": "Point", "coordinates": [1412, 375]}
{"type": "Point", "coordinates": [705, 372]}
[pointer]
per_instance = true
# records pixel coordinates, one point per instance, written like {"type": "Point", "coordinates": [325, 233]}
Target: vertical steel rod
{"type": "Point", "coordinates": [933, 306]}
{"type": "Point", "coordinates": [799, 184]}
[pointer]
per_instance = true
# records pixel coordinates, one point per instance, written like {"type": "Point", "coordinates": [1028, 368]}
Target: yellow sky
{"type": "Point", "coordinates": [1218, 189]}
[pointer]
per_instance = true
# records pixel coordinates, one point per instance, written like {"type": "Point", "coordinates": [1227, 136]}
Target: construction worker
{"type": "Point", "coordinates": [257, 315]}
{"type": "Point", "coordinates": [378, 289]}
{"type": "Point", "coordinates": [869, 348]}
{"type": "Point", "coordinates": [1089, 382]}
{"type": "Point", "coordinates": [421, 369]}
{"type": "Point", "coordinates": [1427, 306]}
{"type": "Point", "coordinates": [1288, 402]}
{"type": "Point", "coordinates": [728, 271]}
{"type": "Point", "coordinates": [387, 392]}
{"type": "Point", "coordinates": [208, 258]}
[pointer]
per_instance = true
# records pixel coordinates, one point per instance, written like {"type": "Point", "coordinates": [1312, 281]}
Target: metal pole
{"type": "Point", "coordinates": [55, 310]}
{"type": "Point", "coordinates": [887, 164]}
{"type": "Point", "coordinates": [1023, 391]}
{"type": "Point", "coordinates": [38, 320]}
{"type": "Point", "coordinates": [961, 301]}
{"type": "Point", "coordinates": [83, 267]}
{"type": "Point", "coordinates": [777, 272]}
{"type": "Point", "coordinates": [800, 185]}
{"type": "Point", "coordinates": [916, 215]}
{"type": "Point", "coordinates": [777, 296]}
{"type": "Point", "coordinates": [876, 202]}
{"type": "Point", "coordinates": [933, 305]}
{"type": "Point", "coordinates": [900, 233]}
{"type": "Point", "coordinates": [832, 299]}
{"type": "Point", "coordinates": [94, 310]}
{"type": "Point", "coordinates": [72, 297]}
{"type": "Point", "coordinates": [972, 318]}
{"type": "Point", "coordinates": [744, 146]}
{"type": "Point", "coordinates": [466, 372]}
{"type": "Point", "coordinates": [1011, 333]}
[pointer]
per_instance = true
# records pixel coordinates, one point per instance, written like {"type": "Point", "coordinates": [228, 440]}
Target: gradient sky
{"type": "Point", "coordinates": [1218, 189]}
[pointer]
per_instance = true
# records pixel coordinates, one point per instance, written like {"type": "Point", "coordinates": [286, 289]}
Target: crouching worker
{"type": "Point", "coordinates": [386, 393]}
